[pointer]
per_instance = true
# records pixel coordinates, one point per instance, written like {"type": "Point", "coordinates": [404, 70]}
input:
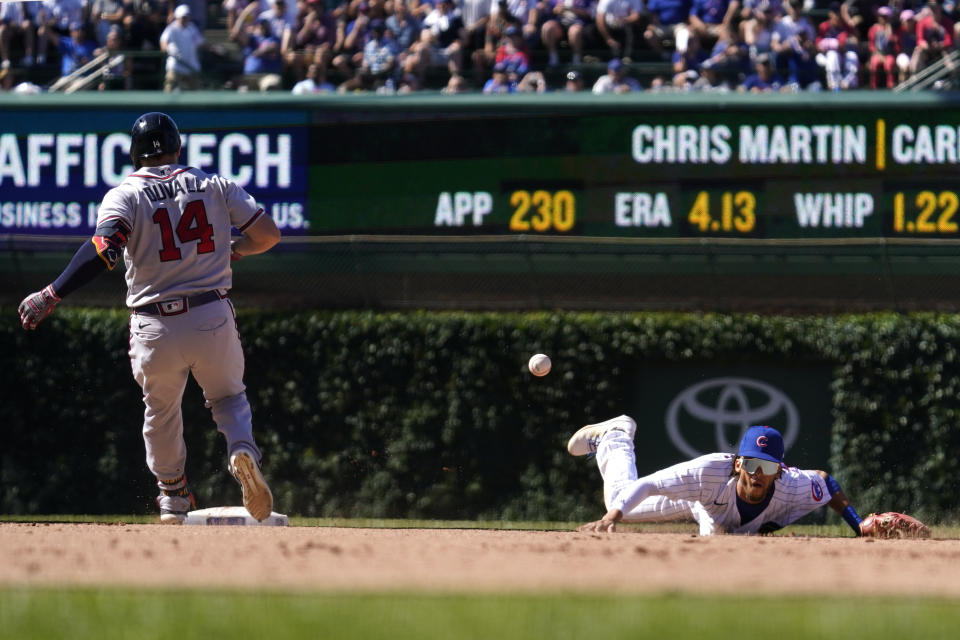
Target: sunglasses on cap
{"type": "Point", "coordinates": [766, 467]}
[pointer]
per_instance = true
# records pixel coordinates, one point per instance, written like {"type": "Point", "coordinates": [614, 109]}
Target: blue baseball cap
{"type": "Point", "coordinates": [765, 443]}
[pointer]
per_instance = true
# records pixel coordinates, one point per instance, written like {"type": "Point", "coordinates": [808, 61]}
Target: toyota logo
{"type": "Point", "coordinates": [723, 403]}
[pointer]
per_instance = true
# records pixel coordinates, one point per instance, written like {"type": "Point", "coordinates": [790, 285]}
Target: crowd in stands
{"type": "Point", "coordinates": [489, 46]}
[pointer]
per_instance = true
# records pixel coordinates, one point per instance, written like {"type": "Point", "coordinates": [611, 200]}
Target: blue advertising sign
{"type": "Point", "coordinates": [51, 182]}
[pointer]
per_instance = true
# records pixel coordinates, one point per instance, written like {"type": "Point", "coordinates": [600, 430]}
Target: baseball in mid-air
{"type": "Point", "coordinates": [539, 364]}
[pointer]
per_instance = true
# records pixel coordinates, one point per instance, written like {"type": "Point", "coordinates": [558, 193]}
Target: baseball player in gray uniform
{"type": "Point", "coordinates": [171, 226]}
{"type": "Point", "coordinates": [750, 492]}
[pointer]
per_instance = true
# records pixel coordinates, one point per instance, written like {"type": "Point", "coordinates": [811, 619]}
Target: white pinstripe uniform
{"type": "Point", "coordinates": [180, 221]}
{"type": "Point", "coordinates": [703, 489]}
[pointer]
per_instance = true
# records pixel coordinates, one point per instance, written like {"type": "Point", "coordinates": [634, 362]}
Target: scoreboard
{"type": "Point", "coordinates": [647, 166]}
{"type": "Point", "coordinates": [776, 170]}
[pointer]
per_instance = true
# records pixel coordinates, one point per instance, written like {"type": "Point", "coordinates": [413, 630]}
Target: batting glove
{"type": "Point", "coordinates": [37, 306]}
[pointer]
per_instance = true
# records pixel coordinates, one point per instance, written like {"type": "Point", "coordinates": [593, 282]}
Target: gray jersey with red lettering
{"type": "Point", "coordinates": [180, 221]}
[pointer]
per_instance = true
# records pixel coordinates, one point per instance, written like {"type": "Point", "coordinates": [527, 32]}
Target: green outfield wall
{"type": "Point", "coordinates": [792, 202]}
{"type": "Point", "coordinates": [434, 415]}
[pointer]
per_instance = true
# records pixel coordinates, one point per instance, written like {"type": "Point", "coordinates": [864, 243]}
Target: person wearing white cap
{"type": "Point", "coordinates": [198, 12]}
{"type": "Point", "coordinates": [181, 41]}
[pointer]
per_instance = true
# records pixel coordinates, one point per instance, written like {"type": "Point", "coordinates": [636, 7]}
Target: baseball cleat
{"type": "Point", "coordinates": [174, 505]}
{"type": "Point", "coordinates": [257, 499]}
{"type": "Point", "coordinates": [172, 517]}
{"type": "Point", "coordinates": [587, 439]}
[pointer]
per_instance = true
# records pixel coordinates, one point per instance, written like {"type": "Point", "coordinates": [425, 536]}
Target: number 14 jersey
{"type": "Point", "coordinates": [180, 221]}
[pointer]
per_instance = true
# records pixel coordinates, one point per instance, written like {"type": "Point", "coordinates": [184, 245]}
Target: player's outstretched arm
{"type": "Point", "coordinates": [87, 263]}
{"type": "Point", "coordinates": [840, 503]}
{"type": "Point", "coordinates": [606, 524]}
{"type": "Point", "coordinates": [261, 236]}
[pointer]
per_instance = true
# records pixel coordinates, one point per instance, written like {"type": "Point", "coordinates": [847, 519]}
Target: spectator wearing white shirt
{"type": "Point", "coordinates": [181, 41]}
{"type": "Point", "coordinates": [278, 15]}
{"type": "Point", "coordinates": [618, 24]}
{"type": "Point", "coordinates": [616, 80]}
{"type": "Point", "coordinates": [314, 82]}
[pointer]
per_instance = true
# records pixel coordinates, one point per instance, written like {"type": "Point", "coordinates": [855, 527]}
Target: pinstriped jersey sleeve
{"type": "Point", "coordinates": [696, 480]}
{"type": "Point", "coordinates": [800, 491]}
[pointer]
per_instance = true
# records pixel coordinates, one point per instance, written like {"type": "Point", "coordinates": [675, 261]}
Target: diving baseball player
{"type": "Point", "coordinates": [750, 492]}
{"type": "Point", "coordinates": [171, 226]}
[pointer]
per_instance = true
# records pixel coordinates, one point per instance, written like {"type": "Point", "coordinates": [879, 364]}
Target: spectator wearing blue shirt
{"type": "Point", "coordinates": [803, 71]}
{"type": "Point", "coordinates": [665, 17]}
{"type": "Point", "coordinates": [500, 81]}
{"type": "Point", "coordinates": [686, 64]}
{"type": "Point", "coordinates": [379, 61]}
{"type": "Point", "coordinates": [730, 56]}
{"type": "Point", "coordinates": [75, 50]}
{"type": "Point", "coordinates": [758, 33]}
{"type": "Point", "coordinates": [764, 79]}
{"type": "Point", "coordinates": [54, 19]}
{"type": "Point", "coordinates": [262, 59]}
{"type": "Point", "coordinates": [786, 38]}
{"type": "Point", "coordinates": [706, 20]}
{"type": "Point", "coordinates": [404, 29]}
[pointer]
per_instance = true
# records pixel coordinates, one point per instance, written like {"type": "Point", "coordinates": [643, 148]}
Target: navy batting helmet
{"type": "Point", "coordinates": [153, 134]}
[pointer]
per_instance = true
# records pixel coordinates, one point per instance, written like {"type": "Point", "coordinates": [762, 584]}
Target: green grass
{"type": "Point", "coordinates": [182, 615]}
{"type": "Point", "coordinates": [146, 614]}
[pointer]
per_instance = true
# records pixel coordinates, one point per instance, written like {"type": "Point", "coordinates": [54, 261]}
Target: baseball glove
{"type": "Point", "coordinates": [891, 524]}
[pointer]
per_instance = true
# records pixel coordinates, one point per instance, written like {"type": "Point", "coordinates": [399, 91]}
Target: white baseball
{"type": "Point", "coordinates": [539, 364]}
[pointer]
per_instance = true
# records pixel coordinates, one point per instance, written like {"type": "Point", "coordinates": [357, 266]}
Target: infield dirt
{"type": "Point", "coordinates": [431, 560]}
